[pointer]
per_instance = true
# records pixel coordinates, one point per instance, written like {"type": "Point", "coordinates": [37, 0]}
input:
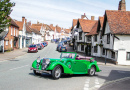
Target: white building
{"type": "Point", "coordinates": [116, 36]}
{"type": "Point", "coordinates": [84, 26]}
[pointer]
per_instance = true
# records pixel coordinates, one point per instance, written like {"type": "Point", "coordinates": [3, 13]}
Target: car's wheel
{"type": "Point", "coordinates": [92, 71]}
{"type": "Point", "coordinates": [56, 72]}
{"type": "Point", "coordinates": [34, 71]}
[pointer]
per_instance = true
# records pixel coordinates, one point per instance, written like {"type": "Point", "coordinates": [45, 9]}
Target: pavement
{"type": "Point", "coordinates": [13, 54]}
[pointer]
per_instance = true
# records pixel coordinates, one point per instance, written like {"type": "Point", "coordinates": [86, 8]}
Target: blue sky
{"type": "Point", "coordinates": [61, 12]}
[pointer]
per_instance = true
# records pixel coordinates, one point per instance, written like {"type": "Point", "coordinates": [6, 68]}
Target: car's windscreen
{"type": "Point", "coordinates": [68, 55]}
{"type": "Point", "coordinates": [38, 44]}
{"type": "Point", "coordinates": [32, 46]}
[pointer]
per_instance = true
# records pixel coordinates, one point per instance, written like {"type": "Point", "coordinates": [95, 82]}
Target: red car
{"type": "Point", "coordinates": [46, 42]}
{"type": "Point", "coordinates": [42, 45]}
{"type": "Point", "coordinates": [33, 48]}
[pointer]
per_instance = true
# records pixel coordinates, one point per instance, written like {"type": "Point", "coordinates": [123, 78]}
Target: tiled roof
{"type": "Point", "coordinates": [86, 25]}
{"type": "Point", "coordinates": [119, 21]}
{"type": "Point", "coordinates": [58, 29]}
{"type": "Point", "coordinates": [36, 26]}
{"type": "Point", "coordinates": [20, 24]}
{"type": "Point", "coordinates": [36, 31]}
{"type": "Point", "coordinates": [74, 22]}
{"type": "Point", "coordinates": [93, 30]}
{"type": "Point", "coordinates": [52, 28]}
{"type": "Point", "coordinates": [67, 31]}
{"type": "Point", "coordinates": [13, 22]}
{"type": "Point", "coordinates": [28, 29]}
{"type": "Point", "coordinates": [101, 21]}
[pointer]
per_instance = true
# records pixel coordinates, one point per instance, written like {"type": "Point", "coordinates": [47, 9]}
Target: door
{"type": "Point", "coordinates": [79, 66]}
{"type": "Point", "coordinates": [88, 50]}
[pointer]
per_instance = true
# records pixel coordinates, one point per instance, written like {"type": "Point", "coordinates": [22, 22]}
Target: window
{"type": "Point", "coordinates": [103, 53]}
{"type": "Point", "coordinates": [89, 38]}
{"type": "Point", "coordinates": [11, 30]}
{"type": "Point", "coordinates": [75, 37]}
{"type": "Point", "coordinates": [101, 36]}
{"type": "Point", "coordinates": [113, 55]}
{"type": "Point", "coordinates": [108, 39]}
{"type": "Point", "coordinates": [82, 47]}
{"type": "Point", "coordinates": [80, 35]}
{"type": "Point", "coordinates": [128, 55]}
{"type": "Point", "coordinates": [95, 49]}
{"type": "Point", "coordinates": [6, 42]}
{"type": "Point", "coordinates": [14, 31]}
{"type": "Point", "coordinates": [95, 38]}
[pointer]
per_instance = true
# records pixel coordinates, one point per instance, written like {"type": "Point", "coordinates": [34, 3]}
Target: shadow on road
{"type": "Point", "coordinates": [114, 77]}
{"type": "Point", "coordinates": [49, 76]}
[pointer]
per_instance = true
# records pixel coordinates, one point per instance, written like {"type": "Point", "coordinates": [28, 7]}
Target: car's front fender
{"type": "Point", "coordinates": [66, 69]}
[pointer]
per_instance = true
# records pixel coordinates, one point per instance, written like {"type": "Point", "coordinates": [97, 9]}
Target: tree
{"type": "Point", "coordinates": [5, 11]}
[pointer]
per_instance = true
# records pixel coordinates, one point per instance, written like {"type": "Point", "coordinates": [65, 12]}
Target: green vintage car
{"type": "Point", "coordinates": [68, 63]}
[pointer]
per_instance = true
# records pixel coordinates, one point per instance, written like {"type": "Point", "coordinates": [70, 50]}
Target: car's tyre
{"type": "Point", "coordinates": [56, 72]}
{"type": "Point", "coordinates": [34, 71]}
{"type": "Point", "coordinates": [92, 71]}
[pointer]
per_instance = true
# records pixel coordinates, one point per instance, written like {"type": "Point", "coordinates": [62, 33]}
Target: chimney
{"type": "Point", "coordinates": [122, 5]}
{"type": "Point", "coordinates": [51, 25]}
{"type": "Point", "coordinates": [37, 22]}
{"type": "Point", "coordinates": [92, 17]}
{"type": "Point", "coordinates": [23, 18]}
{"type": "Point", "coordinates": [29, 23]}
{"type": "Point", "coordinates": [83, 16]}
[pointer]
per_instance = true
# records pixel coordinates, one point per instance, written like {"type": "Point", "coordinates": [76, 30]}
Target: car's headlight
{"type": "Point", "coordinates": [38, 59]}
{"type": "Point", "coordinates": [45, 63]}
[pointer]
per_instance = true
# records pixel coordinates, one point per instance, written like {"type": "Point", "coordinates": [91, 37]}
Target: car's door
{"type": "Point", "coordinates": [79, 66]}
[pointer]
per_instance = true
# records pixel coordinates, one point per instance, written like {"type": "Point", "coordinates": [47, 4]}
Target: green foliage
{"type": "Point", "coordinates": [5, 11]}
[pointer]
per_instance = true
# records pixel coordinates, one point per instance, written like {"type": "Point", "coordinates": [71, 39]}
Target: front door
{"type": "Point", "coordinates": [88, 50]}
{"type": "Point", "coordinates": [79, 66]}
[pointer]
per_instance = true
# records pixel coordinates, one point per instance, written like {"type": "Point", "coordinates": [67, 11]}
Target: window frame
{"type": "Point", "coordinates": [82, 47]}
{"type": "Point", "coordinates": [95, 49]}
{"type": "Point", "coordinates": [95, 38]}
{"type": "Point", "coordinates": [127, 56]}
{"type": "Point", "coordinates": [89, 39]}
{"type": "Point", "coordinates": [80, 35]}
{"type": "Point", "coordinates": [14, 31]}
{"type": "Point", "coordinates": [113, 54]}
{"type": "Point", "coordinates": [103, 51]}
{"type": "Point", "coordinates": [11, 31]}
{"type": "Point", "coordinates": [7, 43]}
{"type": "Point", "coordinates": [108, 38]}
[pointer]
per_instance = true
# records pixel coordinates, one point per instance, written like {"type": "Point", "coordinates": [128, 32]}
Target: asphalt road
{"type": "Point", "coordinates": [15, 74]}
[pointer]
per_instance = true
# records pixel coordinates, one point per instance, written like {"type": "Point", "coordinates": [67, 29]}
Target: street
{"type": "Point", "coordinates": [15, 74]}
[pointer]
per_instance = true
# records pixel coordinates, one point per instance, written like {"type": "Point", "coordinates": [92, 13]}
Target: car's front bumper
{"type": "Point", "coordinates": [40, 71]}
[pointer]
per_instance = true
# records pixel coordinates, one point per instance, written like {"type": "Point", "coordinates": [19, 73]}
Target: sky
{"type": "Point", "coordinates": [61, 12]}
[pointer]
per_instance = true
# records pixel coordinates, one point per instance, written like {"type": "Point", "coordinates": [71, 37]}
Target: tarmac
{"type": "Point", "coordinates": [19, 52]}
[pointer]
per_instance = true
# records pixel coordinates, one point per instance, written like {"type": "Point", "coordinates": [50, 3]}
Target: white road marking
{"type": "Point", "coordinates": [97, 83]}
{"type": "Point", "coordinates": [19, 67]}
{"type": "Point", "coordinates": [86, 86]}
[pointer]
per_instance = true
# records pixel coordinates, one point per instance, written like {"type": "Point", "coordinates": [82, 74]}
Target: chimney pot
{"type": "Point", "coordinates": [92, 17]}
{"type": "Point", "coordinates": [23, 18]}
